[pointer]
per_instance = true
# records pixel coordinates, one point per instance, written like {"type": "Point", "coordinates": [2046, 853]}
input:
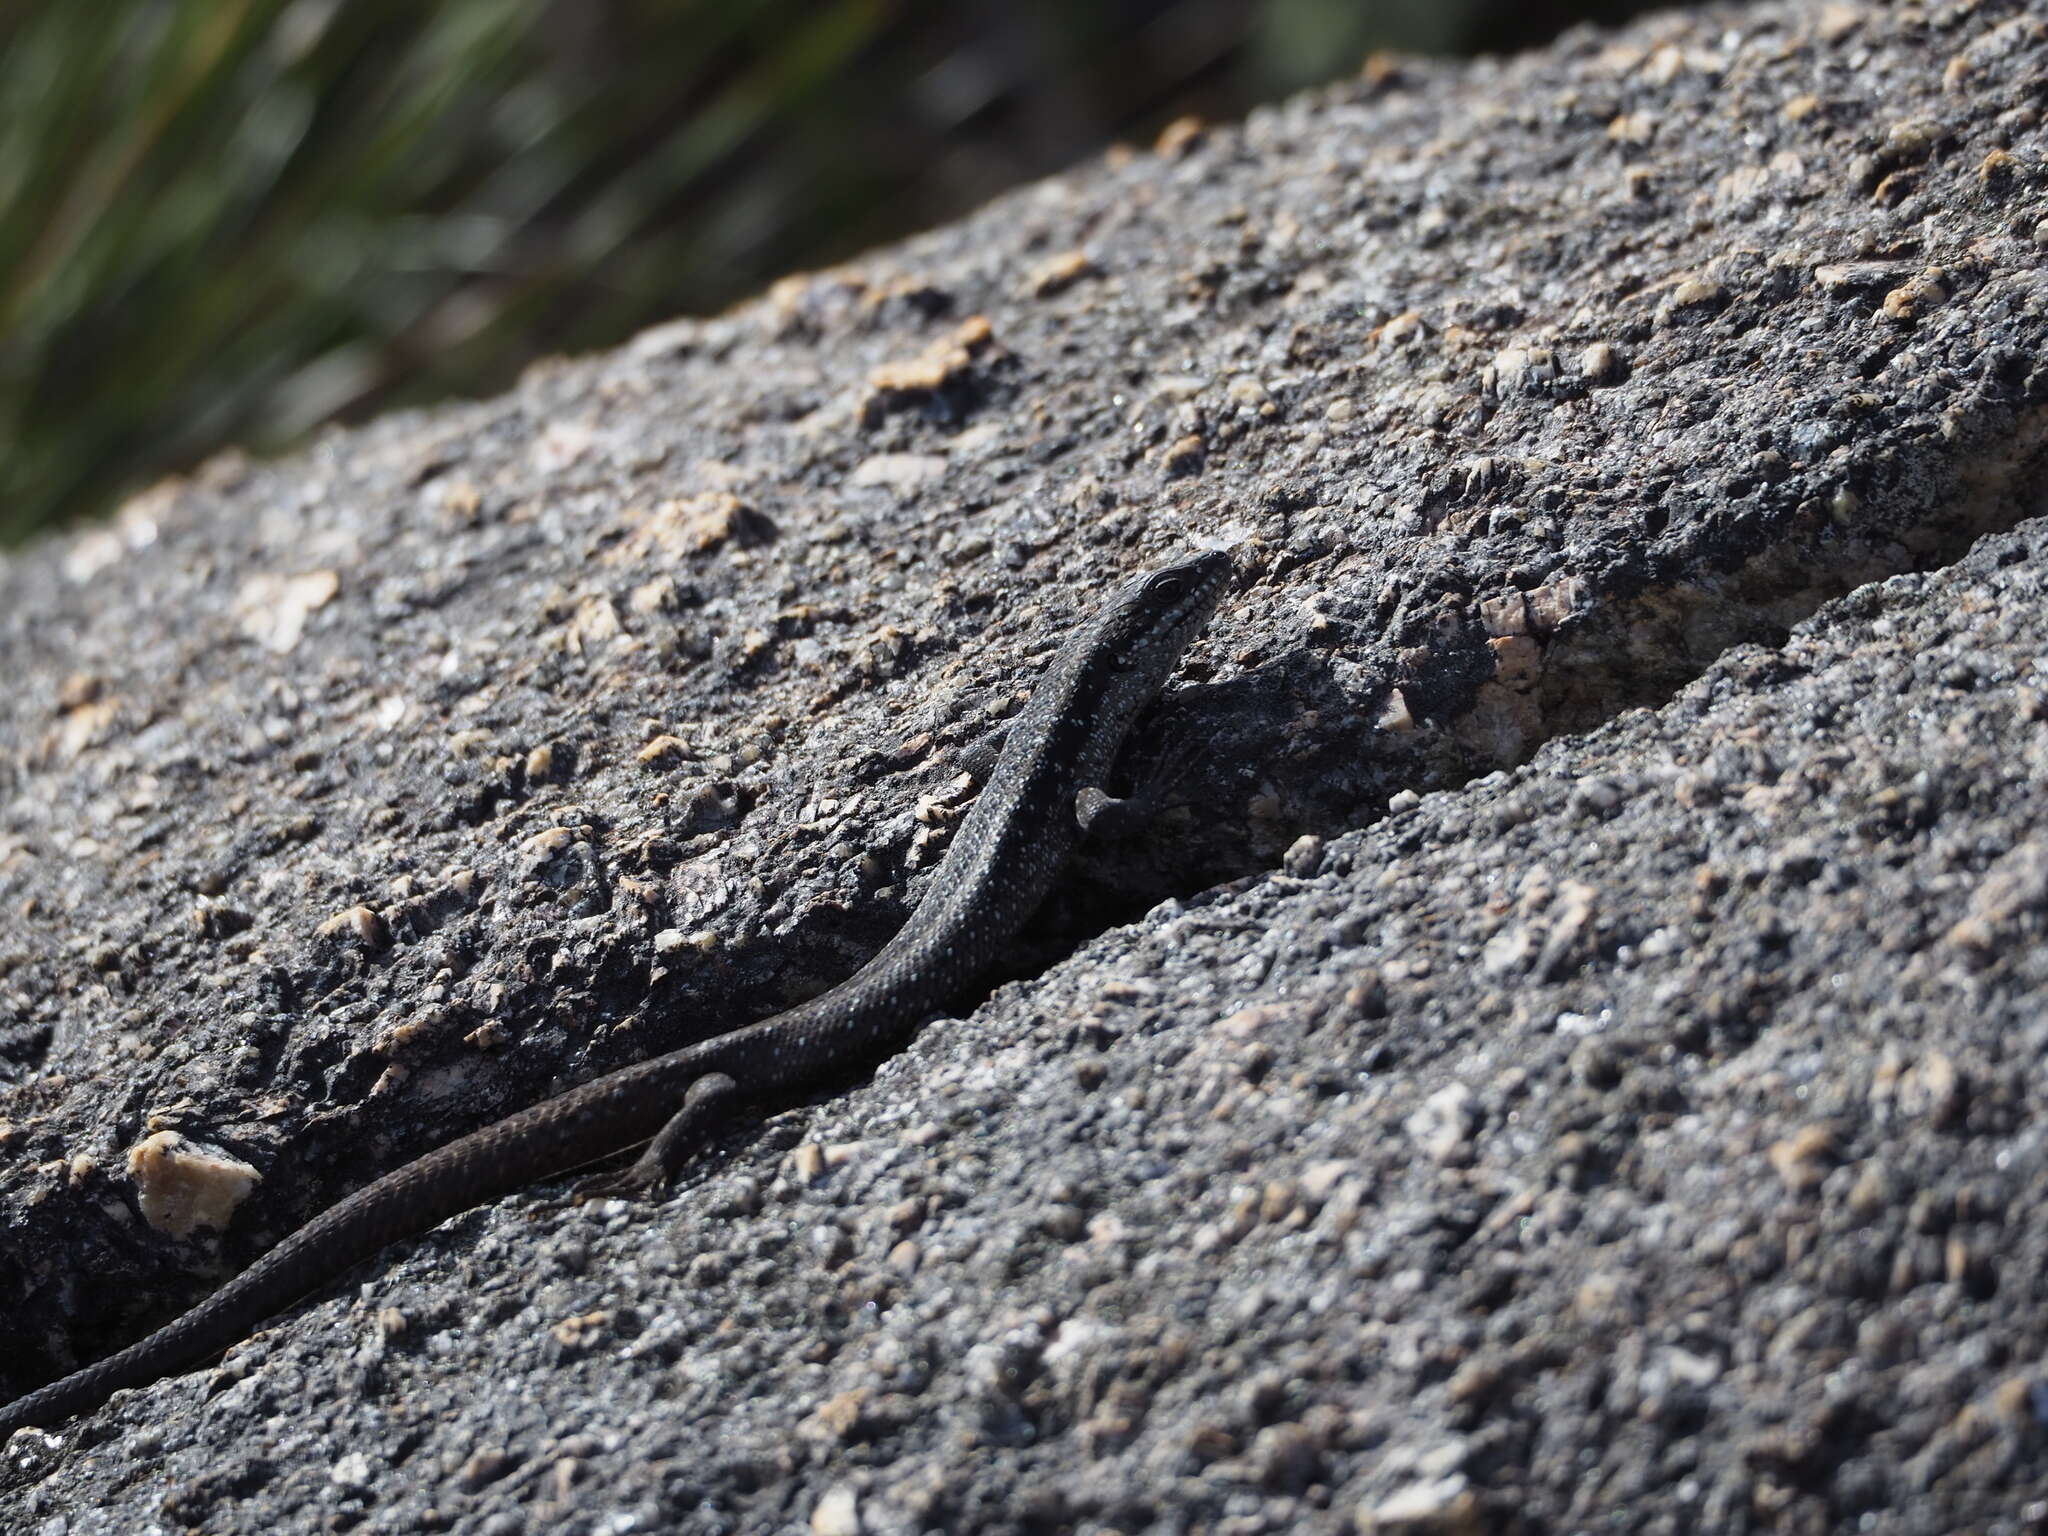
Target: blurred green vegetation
{"type": "Point", "coordinates": [227, 221]}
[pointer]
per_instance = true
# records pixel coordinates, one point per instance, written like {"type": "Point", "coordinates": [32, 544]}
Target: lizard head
{"type": "Point", "coordinates": [1151, 621]}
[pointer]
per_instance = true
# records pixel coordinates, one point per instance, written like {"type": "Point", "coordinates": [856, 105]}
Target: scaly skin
{"type": "Point", "coordinates": [1046, 786]}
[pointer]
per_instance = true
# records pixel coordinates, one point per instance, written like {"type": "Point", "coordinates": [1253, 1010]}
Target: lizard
{"type": "Point", "coordinates": [1048, 787]}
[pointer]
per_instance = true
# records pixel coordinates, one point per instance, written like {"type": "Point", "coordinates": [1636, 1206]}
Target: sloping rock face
{"type": "Point", "coordinates": [1574, 1063]}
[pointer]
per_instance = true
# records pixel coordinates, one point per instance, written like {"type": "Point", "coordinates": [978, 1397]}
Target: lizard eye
{"type": "Point", "coordinates": [1170, 583]}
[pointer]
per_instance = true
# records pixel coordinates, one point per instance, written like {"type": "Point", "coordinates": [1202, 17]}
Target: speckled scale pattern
{"type": "Point", "coordinates": [1005, 857]}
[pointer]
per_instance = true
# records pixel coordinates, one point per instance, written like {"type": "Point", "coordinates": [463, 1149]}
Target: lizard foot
{"type": "Point", "coordinates": [635, 1181]}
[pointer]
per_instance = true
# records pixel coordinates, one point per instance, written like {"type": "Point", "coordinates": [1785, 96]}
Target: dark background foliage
{"type": "Point", "coordinates": [227, 221]}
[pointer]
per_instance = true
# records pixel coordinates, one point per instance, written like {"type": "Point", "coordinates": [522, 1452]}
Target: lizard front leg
{"type": "Point", "coordinates": [1098, 813]}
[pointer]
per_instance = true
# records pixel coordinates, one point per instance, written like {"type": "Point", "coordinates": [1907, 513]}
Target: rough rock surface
{"type": "Point", "coordinates": [1580, 1066]}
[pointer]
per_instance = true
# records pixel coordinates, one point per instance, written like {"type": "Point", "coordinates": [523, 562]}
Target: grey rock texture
{"type": "Point", "coordinates": [1572, 1065]}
